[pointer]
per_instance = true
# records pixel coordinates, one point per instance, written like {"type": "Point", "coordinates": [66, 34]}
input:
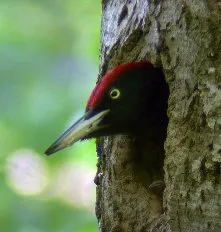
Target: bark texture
{"type": "Point", "coordinates": [184, 38]}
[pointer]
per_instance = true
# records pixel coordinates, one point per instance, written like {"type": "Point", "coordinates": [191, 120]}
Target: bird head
{"type": "Point", "coordinates": [120, 103]}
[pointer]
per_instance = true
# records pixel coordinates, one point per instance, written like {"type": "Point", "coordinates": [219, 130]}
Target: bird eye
{"type": "Point", "coordinates": [114, 93]}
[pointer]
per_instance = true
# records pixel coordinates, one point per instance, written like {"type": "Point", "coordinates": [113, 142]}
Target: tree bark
{"type": "Point", "coordinates": [183, 37]}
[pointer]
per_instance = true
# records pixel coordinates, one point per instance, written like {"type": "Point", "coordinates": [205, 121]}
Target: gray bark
{"type": "Point", "coordinates": [184, 38]}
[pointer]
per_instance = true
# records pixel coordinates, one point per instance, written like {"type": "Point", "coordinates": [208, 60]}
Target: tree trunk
{"type": "Point", "coordinates": [183, 37]}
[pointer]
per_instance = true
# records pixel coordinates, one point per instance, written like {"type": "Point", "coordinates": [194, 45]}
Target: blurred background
{"type": "Point", "coordinates": [48, 67]}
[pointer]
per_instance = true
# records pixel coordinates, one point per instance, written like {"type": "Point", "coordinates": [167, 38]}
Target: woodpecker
{"type": "Point", "coordinates": [129, 99]}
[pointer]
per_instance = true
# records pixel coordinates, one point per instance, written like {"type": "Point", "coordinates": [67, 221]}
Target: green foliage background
{"type": "Point", "coordinates": [48, 67]}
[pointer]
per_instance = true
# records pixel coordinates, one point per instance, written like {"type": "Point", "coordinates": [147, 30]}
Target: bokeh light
{"type": "Point", "coordinates": [26, 172]}
{"type": "Point", "coordinates": [73, 183]}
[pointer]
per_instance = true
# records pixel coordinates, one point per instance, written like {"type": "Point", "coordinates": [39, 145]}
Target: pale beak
{"type": "Point", "coordinates": [80, 130]}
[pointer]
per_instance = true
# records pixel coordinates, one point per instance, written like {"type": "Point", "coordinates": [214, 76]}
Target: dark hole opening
{"type": "Point", "coordinates": [150, 144]}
